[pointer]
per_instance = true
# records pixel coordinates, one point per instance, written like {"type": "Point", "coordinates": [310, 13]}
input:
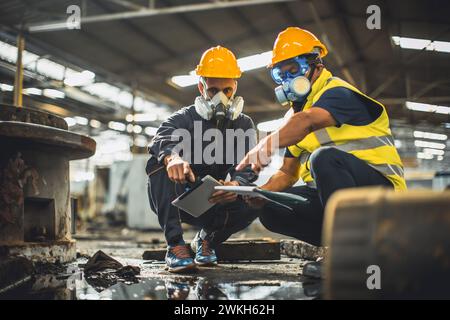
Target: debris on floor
{"type": "Point", "coordinates": [313, 269]}
{"type": "Point", "coordinates": [103, 271]}
{"type": "Point", "coordinates": [302, 250]}
{"type": "Point", "coordinates": [101, 261]}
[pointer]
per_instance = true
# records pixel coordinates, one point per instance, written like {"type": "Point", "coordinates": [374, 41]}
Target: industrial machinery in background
{"type": "Point", "coordinates": [127, 195]}
{"type": "Point", "coordinates": [387, 245]}
{"type": "Point", "coordinates": [35, 208]}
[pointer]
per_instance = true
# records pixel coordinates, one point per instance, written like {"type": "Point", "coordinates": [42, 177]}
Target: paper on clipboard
{"type": "Point", "coordinates": [283, 199]}
{"type": "Point", "coordinates": [196, 200]}
{"type": "Point", "coordinates": [242, 190]}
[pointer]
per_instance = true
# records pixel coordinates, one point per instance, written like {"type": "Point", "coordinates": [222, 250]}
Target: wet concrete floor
{"type": "Point", "coordinates": [227, 281]}
{"type": "Point", "coordinates": [257, 280]}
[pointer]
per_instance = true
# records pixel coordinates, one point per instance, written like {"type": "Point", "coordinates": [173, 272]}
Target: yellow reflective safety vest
{"type": "Point", "coordinates": [372, 143]}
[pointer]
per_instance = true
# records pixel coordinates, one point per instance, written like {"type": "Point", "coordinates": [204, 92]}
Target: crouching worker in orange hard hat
{"type": "Point", "coordinates": [215, 116]}
{"type": "Point", "coordinates": [334, 136]}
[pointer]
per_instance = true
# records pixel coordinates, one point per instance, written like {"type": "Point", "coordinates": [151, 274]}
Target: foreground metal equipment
{"type": "Point", "coordinates": [406, 235]}
{"type": "Point", "coordinates": [35, 219]}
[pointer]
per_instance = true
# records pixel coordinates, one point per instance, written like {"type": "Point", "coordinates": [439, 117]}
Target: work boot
{"type": "Point", "coordinates": [178, 259]}
{"type": "Point", "coordinates": [204, 254]}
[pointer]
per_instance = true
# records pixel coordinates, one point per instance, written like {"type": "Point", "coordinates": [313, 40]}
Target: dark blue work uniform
{"type": "Point", "coordinates": [332, 169]}
{"type": "Point", "coordinates": [221, 221]}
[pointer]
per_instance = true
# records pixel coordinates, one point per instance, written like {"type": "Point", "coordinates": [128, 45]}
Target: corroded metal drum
{"type": "Point", "coordinates": [387, 245]}
{"type": "Point", "coordinates": [36, 148]}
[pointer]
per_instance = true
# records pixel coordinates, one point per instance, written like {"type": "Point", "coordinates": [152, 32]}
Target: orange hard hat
{"type": "Point", "coordinates": [293, 42]}
{"type": "Point", "coordinates": [218, 62]}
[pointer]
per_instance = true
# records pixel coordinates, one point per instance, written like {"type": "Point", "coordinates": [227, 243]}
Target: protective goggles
{"type": "Point", "coordinates": [291, 68]}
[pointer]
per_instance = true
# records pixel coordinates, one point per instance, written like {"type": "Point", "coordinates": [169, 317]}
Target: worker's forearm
{"type": "Point", "coordinates": [279, 181]}
{"type": "Point", "coordinates": [295, 130]}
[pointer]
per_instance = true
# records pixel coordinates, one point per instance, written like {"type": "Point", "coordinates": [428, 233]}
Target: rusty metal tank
{"type": "Point", "coordinates": [35, 210]}
{"type": "Point", "coordinates": [402, 236]}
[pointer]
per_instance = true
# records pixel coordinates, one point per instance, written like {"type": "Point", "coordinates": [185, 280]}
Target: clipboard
{"type": "Point", "coordinates": [283, 199]}
{"type": "Point", "coordinates": [195, 200]}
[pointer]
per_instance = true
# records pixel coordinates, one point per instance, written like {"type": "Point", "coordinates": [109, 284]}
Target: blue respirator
{"type": "Point", "coordinates": [294, 86]}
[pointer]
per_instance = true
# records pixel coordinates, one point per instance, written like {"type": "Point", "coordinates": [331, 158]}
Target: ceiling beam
{"type": "Point", "coordinates": [404, 62]}
{"type": "Point", "coordinates": [61, 24]}
{"type": "Point", "coordinates": [325, 38]}
{"type": "Point", "coordinates": [258, 37]}
{"type": "Point", "coordinates": [187, 21]}
{"type": "Point", "coordinates": [134, 29]}
{"type": "Point", "coordinates": [127, 4]}
{"type": "Point", "coordinates": [192, 55]}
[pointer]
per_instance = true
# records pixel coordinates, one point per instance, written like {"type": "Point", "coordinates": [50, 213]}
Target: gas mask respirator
{"type": "Point", "coordinates": [219, 108]}
{"type": "Point", "coordinates": [294, 86]}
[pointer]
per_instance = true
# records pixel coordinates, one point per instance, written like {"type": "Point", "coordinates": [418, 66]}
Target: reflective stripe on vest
{"type": "Point", "coordinates": [303, 158]}
{"type": "Point", "coordinates": [388, 169]}
{"type": "Point", "coordinates": [362, 144]}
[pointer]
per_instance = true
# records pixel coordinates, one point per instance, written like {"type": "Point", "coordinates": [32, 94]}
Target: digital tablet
{"type": "Point", "coordinates": [195, 200]}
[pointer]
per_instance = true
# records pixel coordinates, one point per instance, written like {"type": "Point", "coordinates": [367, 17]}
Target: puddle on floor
{"type": "Point", "coordinates": [74, 285]}
{"type": "Point", "coordinates": [152, 289]}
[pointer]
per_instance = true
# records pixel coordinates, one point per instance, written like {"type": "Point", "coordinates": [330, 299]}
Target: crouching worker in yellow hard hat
{"type": "Point", "coordinates": [214, 136]}
{"type": "Point", "coordinates": [335, 137]}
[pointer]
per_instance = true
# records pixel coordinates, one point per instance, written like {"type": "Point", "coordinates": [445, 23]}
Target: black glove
{"type": "Point", "coordinates": [245, 177]}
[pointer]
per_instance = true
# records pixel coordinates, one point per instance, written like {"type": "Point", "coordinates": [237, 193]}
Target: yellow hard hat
{"type": "Point", "coordinates": [218, 62]}
{"type": "Point", "coordinates": [293, 42]}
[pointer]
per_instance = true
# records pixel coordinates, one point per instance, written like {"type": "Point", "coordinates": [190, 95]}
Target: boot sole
{"type": "Point", "coordinates": [188, 268]}
{"type": "Point", "coordinates": [206, 264]}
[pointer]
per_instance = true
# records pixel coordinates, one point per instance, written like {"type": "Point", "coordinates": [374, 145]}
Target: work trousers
{"type": "Point", "coordinates": [219, 222]}
{"type": "Point", "coordinates": [332, 170]}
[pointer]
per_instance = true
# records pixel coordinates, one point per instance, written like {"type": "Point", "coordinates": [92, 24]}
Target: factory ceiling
{"type": "Point", "coordinates": [142, 44]}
